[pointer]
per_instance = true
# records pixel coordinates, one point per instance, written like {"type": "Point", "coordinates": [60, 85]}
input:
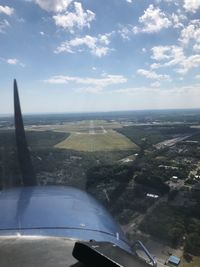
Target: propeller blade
{"type": "Point", "coordinates": [24, 158]}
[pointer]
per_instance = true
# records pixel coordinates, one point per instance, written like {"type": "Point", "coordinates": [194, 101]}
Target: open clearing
{"type": "Point", "coordinates": [90, 142]}
{"type": "Point", "coordinates": [90, 135]}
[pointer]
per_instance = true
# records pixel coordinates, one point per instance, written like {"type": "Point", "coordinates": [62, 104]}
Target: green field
{"type": "Point", "coordinates": [89, 135]}
{"type": "Point", "coordinates": [110, 140]}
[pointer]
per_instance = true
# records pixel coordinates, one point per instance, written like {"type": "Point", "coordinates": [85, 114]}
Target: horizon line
{"type": "Point", "coordinates": [94, 112]}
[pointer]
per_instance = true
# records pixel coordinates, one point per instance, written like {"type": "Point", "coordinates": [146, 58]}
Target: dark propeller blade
{"type": "Point", "coordinates": [26, 167]}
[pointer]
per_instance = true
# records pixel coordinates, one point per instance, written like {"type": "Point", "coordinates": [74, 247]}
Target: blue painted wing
{"type": "Point", "coordinates": [57, 211]}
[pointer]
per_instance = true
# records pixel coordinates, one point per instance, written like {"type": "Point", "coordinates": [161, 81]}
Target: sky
{"type": "Point", "coordinates": [99, 55]}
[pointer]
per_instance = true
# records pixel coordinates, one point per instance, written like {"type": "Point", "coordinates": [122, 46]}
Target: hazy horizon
{"type": "Point", "coordinates": [99, 112]}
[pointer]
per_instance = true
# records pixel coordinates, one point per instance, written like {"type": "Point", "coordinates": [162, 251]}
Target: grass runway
{"type": "Point", "coordinates": [111, 140]}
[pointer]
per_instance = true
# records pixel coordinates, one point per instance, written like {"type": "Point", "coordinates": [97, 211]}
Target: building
{"type": "Point", "coordinates": [173, 261]}
{"type": "Point", "coordinates": [152, 195]}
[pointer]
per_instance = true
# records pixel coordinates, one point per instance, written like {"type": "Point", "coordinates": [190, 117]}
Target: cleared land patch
{"type": "Point", "coordinates": [111, 140]}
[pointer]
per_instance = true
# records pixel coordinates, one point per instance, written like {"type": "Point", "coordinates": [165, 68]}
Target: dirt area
{"type": "Point", "coordinates": [162, 251]}
{"type": "Point", "coordinates": [194, 263]}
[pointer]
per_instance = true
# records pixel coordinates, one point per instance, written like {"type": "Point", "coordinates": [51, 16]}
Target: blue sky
{"type": "Point", "coordinates": [100, 55]}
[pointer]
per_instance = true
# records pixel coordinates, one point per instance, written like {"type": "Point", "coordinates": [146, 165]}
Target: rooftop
{"type": "Point", "coordinates": [174, 260]}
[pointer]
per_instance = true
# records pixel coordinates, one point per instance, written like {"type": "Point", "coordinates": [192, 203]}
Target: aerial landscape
{"type": "Point", "coordinates": [110, 99]}
{"type": "Point", "coordinates": [143, 166]}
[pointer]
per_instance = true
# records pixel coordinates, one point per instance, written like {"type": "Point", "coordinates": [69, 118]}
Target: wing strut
{"type": "Point", "coordinates": [24, 158]}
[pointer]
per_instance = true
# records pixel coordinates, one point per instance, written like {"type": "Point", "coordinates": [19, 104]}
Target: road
{"type": "Point", "coordinates": [171, 142]}
{"type": "Point", "coordinates": [134, 224]}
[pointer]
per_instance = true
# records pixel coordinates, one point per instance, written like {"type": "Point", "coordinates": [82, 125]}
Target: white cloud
{"type": "Point", "coordinates": [153, 20]}
{"type": "Point", "coordinates": [196, 47]}
{"type": "Point", "coordinates": [91, 90]}
{"type": "Point", "coordinates": [125, 32]}
{"type": "Point", "coordinates": [159, 52]}
{"type": "Point", "coordinates": [189, 63]}
{"type": "Point", "coordinates": [153, 75]}
{"type": "Point", "coordinates": [53, 5]}
{"type": "Point", "coordinates": [155, 66]}
{"type": "Point", "coordinates": [191, 5]}
{"type": "Point", "coordinates": [14, 61]}
{"type": "Point", "coordinates": [191, 33]}
{"type": "Point", "coordinates": [6, 10]}
{"type": "Point", "coordinates": [129, 1]}
{"type": "Point", "coordinates": [191, 91]}
{"type": "Point", "coordinates": [135, 90]}
{"type": "Point", "coordinates": [177, 20]}
{"type": "Point", "coordinates": [3, 25]}
{"type": "Point", "coordinates": [97, 46]}
{"type": "Point", "coordinates": [173, 53]}
{"type": "Point", "coordinates": [174, 56]}
{"type": "Point", "coordinates": [42, 33]}
{"type": "Point", "coordinates": [77, 19]}
{"type": "Point", "coordinates": [102, 82]}
{"type": "Point", "coordinates": [88, 84]}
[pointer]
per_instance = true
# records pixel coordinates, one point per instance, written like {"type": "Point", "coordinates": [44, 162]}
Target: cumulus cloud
{"type": "Point", "coordinates": [153, 20]}
{"type": "Point", "coordinates": [77, 19]}
{"type": "Point", "coordinates": [191, 5]}
{"type": "Point", "coordinates": [53, 5]}
{"type": "Point", "coordinates": [153, 75]}
{"type": "Point", "coordinates": [191, 32]}
{"type": "Point", "coordinates": [174, 56]}
{"type": "Point", "coordinates": [97, 46]}
{"type": "Point", "coordinates": [161, 52]}
{"type": "Point", "coordinates": [189, 63]}
{"type": "Point", "coordinates": [177, 20]}
{"type": "Point", "coordinates": [6, 10]}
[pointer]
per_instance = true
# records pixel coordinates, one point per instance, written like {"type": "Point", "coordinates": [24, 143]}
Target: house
{"type": "Point", "coordinates": [173, 261]}
{"type": "Point", "coordinates": [152, 195]}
